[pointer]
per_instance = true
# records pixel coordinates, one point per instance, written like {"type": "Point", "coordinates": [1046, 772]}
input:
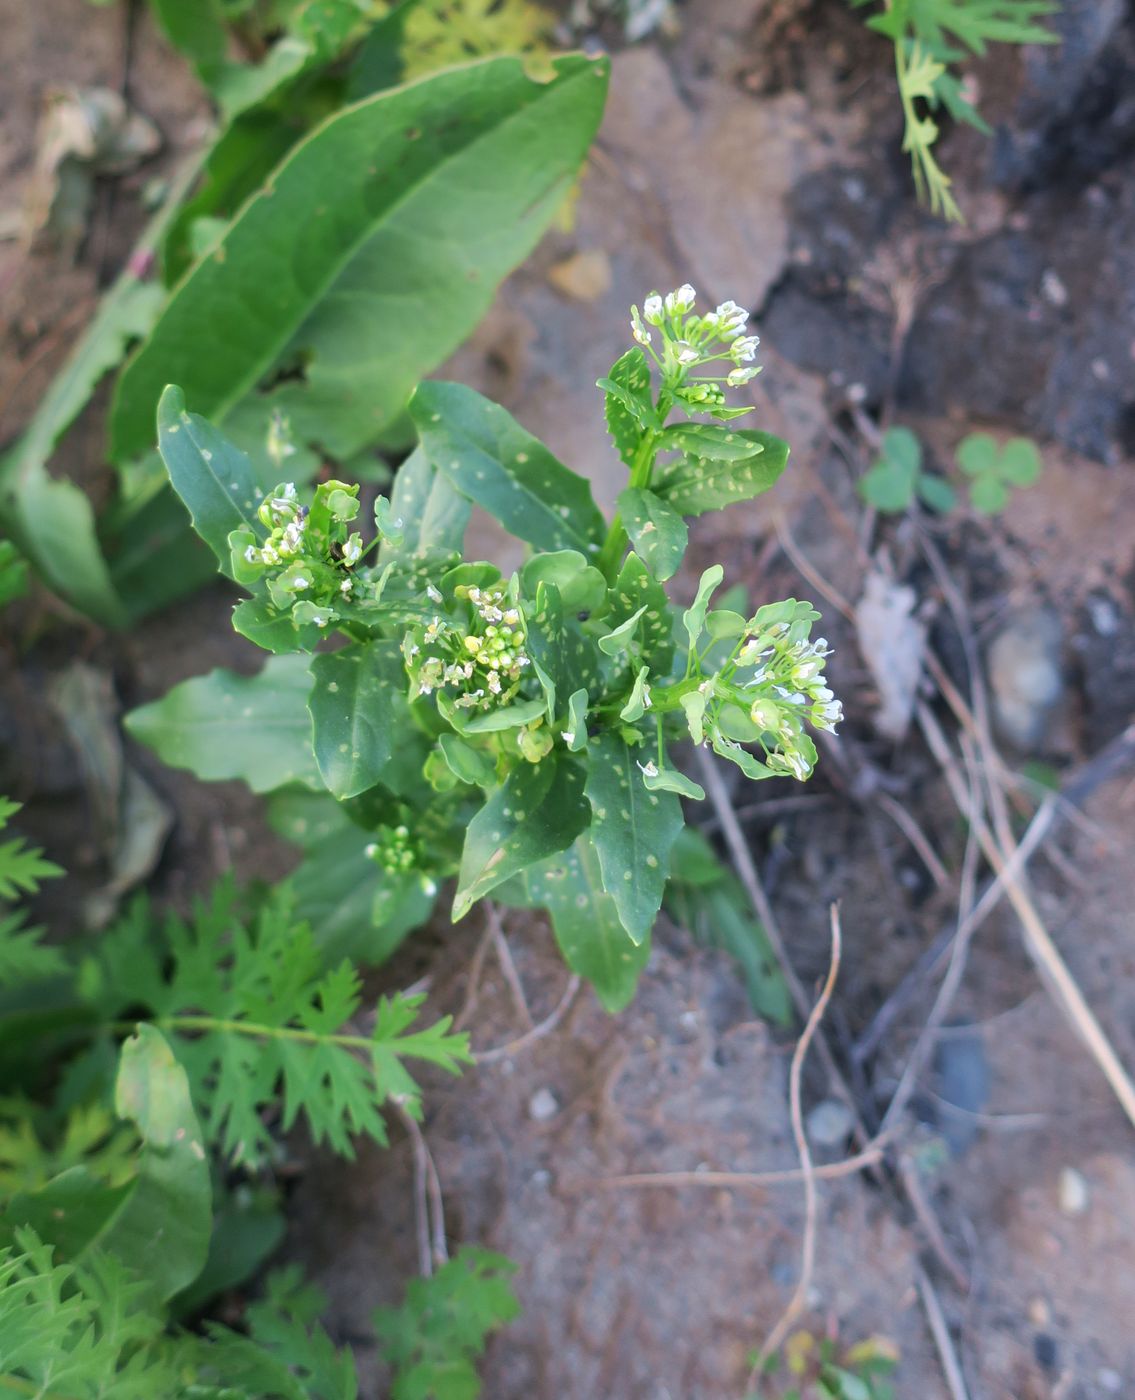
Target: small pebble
{"type": "Point", "coordinates": [1025, 675]}
{"type": "Point", "coordinates": [1073, 1192]}
{"type": "Point", "coordinates": [543, 1105]}
{"type": "Point", "coordinates": [829, 1124]}
{"type": "Point", "coordinates": [1040, 1314]}
{"type": "Point", "coordinates": [1110, 1380]}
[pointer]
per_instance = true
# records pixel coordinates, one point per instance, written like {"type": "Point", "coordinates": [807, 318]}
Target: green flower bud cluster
{"type": "Point", "coordinates": [689, 341]}
{"type": "Point", "coordinates": [307, 558]}
{"type": "Point", "coordinates": [480, 659]}
{"type": "Point", "coordinates": [393, 850]}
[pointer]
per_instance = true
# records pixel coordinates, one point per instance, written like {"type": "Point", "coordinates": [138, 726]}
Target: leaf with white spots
{"type": "Point", "coordinates": [636, 592]}
{"type": "Point", "coordinates": [431, 515]}
{"type": "Point", "coordinates": [656, 530]}
{"type": "Point", "coordinates": [538, 811]}
{"type": "Point", "coordinates": [561, 656]}
{"type": "Point", "coordinates": [694, 484]}
{"type": "Point", "coordinates": [632, 830]}
{"type": "Point", "coordinates": [710, 442]}
{"type": "Point", "coordinates": [485, 453]}
{"type": "Point", "coordinates": [223, 726]}
{"type": "Point", "coordinates": [586, 921]}
{"type": "Point", "coordinates": [358, 705]}
{"type": "Point", "coordinates": [628, 406]}
{"type": "Point", "coordinates": [214, 479]}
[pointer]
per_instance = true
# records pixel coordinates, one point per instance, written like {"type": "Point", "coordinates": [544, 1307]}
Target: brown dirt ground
{"type": "Point", "coordinates": [754, 157]}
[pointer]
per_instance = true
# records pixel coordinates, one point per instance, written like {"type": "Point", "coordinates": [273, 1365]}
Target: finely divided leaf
{"type": "Point", "coordinates": [491, 459]}
{"type": "Point", "coordinates": [632, 830]}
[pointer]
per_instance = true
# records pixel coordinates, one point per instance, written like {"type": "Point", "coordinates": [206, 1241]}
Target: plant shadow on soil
{"type": "Point", "coordinates": [755, 157]}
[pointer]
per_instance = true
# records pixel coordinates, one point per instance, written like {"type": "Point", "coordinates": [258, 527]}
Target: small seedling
{"type": "Point", "coordinates": [820, 1370]}
{"type": "Point", "coordinates": [994, 470]}
{"type": "Point", "coordinates": [896, 478]}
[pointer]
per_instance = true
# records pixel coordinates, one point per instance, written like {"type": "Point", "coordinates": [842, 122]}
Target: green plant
{"type": "Point", "coordinates": [513, 732]}
{"type": "Point", "coordinates": [340, 237]}
{"type": "Point", "coordinates": [896, 478]}
{"type": "Point", "coordinates": [820, 1370]}
{"type": "Point", "coordinates": [926, 35]}
{"type": "Point", "coordinates": [22, 870]}
{"type": "Point", "coordinates": [994, 470]}
{"type": "Point", "coordinates": [148, 1077]}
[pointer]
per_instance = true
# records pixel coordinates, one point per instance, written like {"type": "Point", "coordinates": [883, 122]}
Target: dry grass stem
{"type": "Point", "coordinates": [545, 1027]}
{"type": "Point", "coordinates": [870, 1156]}
{"type": "Point", "coordinates": [943, 1342]}
{"type": "Point", "coordinates": [795, 1083]}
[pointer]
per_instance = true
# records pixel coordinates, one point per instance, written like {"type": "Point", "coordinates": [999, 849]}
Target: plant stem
{"type": "Point", "coordinates": [253, 1028]}
{"type": "Point", "coordinates": [611, 555]}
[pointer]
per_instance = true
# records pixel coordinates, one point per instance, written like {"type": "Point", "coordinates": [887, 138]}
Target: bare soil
{"type": "Point", "coordinates": [755, 156]}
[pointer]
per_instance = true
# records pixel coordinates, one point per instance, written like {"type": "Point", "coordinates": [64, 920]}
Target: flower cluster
{"type": "Point", "coordinates": [689, 341]}
{"type": "Point", "coordinates": [480, 658]}
{"type": "Point", "coordinates": [792, 689]}
{"type": "Point", "coordinates": [307, 557]}
{"type": "Point", "coordinates": [393, 850]}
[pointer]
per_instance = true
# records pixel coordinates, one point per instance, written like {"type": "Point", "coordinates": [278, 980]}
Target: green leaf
{"type": "Point", "coordinates": [636, 595]}
{"type": "Point", "coordinates": [618, 642]}
{"type": "Point", "coordinates": [470, 765]}
{"type": "Point", "coordinates": [258, 620]}
{"type": "Point", "coordinates": [433, 514]}
{"type": "Point", "coordinates": [371, 253]}
{"type": "Point", "coordinates": [223, 726]}
{"type": "Point", "coordinates": [1020, 461]}
{"type": "Point", "coordinates": [560, 655]}
{"type": "Point", "coordinates": [670, 780]}
{"type": "Point", "coordinates": [938, 494]}
{"type": "Point", "coordinates": [213, 478]}
{"type": "Point", "coordinates": [628, 405]}
{"type": "Point", "coordinates": [577, 721]}
{"type": "Point", "coordinates": [582, 586]}
{"type": "Point", "coordinates": [358, 706]}
{"type": "Point", "coordinates": [197, 29]}
{"type": "Point", "coordinates": [538, 811]}
{"type": "Point", "coordinates": [512, 716]}
{"type": "Point", "coordinates": [709, 443]}
{"type": "Point", "coordinates": [490, 458]}
{"type": "Point", "coordinates": [693, 485]}
{"type": "Point", "coordinates": [163, 1230]}
{"type": "Point", "coordinates": [637, 701]}
{"type": "Point", "coordinates": [748, 763]}
{"type": "Point", "coordinates": [988, 495]}
{"type": "Point", "coordinates": [588, 929]}
{"type": "Point", "coordinates": [693, 619]}
{"type": "Point", "coordinates": [977, 454]}
{"type": "Point", "coordinates": [656, 530]}
{"type": "Point", "coordinates": [632, 830]}
{"type": "Point", "coordinates": [889, 484]}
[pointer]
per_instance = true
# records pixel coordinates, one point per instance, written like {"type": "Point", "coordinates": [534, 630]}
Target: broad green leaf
{"type": "Point", "coordinates": [632, 830]}
{"type": "Point", "coordinates": [586, 921]}
{"type": "Point", "coordinates": [163, 1230]}
{"type": "Point", "coordinates": [938, 494]}
{"type": "Point", "coordinates": [560, 654]}
{"type": "Point", "coordinates": [371, 252]}
{"type": "Point", "coordinates": [711, 443]}
{"type": "Point", "coordinates": [223, 726]}
{"type": "Point", "coordinates": [693, 484]}
{"type": "Point", "coordinates": [258, 620]}
{"type": "Point", "coordinates": [72, 1212]}
{"type": "Point", "coordinates": [582, 586]}
{"type": "Point", "coordinates": [493, 721]}
{"type": "Point", "coordinates": [693, 619]}
{"type": "Point", "coordinates": [617, 642]}
{"type": "Point", "coordinates": [748, 763]}
{"type": "Point", "coordinates": [629, 407]}
{"type": "Point", "coordinates": [358, 705]}
{"type": "Point", "coordinates": [1020, 461]}
{"type": "Point", "coordinates": [470, 765]}
{"type": "Point", "coordinates": [538, 811]}
{"type": "Point", "coordinates": [577, 721]}
{"type": "Point", "coordinates": [889, 483]}
{"type": "Point", "coordinates": [724, 623]}
{"type": "Point", "coordinates": [988, 494]}
{"type": "Point", "coordinates": [636, 592]}
{"type": "Point", "coordinates": [197, 29]}
{"type": "Point", "coordinates": [656, 530]}
{"type": "Point", "coordinates": [51, 520]}
{"type": "Point", "coordinates": [489, 457]}
{"type": "Point", "coordinates": [433, 514]}
{"type": "Point", "coordinates": [670, 780]}
{"type": "Point", "coordinates": [213, 478]}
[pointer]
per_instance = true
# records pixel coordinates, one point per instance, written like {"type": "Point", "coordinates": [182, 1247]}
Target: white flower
{"type": "Point", "coordinates": [346, 586]}
{"type": "Point", "coordinates": [737, 377]}
{"type": "Point", "coordinates": [568, 736]}
{"type": "Point", "coordinates": [299, 583]}
{"type": "Point", "coordinates": [687, 355]}
{"type": "Point", "coordinates": [652, 309]}
{"type": "Point", "coordinates": [433, 595]}
{"type": "Point", "coordinates": [353, 549]}
{"type": "Point", "coordinates": [252, 554]}
{"type": "Point", "coordinates": [745, 348]}
{"type": "Point", "coordinates": [733, 319]}
{"type": "Point", "coordinates": [681, 301]}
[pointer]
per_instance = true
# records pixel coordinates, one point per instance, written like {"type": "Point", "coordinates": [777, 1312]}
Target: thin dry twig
{"type": "Point", "coordinates": [870, 1156]}
{"type": "Point", "coordinates": [943, 1342]}
{"type": "Point", "coordinates": [1038, 942]}
{"type": "Point", "coordinates": [804, 568]}
{"type": "Point", "coordinates": [429, 1208]}
{"type": "Point", "coordinates": [795, 1081]}
{"type": "Point", "coordinates": [508, 967]}
{"type": "Point", "coordinates": [916, 836]}
{"type": "Point", "coordinates": [545, 1027]}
